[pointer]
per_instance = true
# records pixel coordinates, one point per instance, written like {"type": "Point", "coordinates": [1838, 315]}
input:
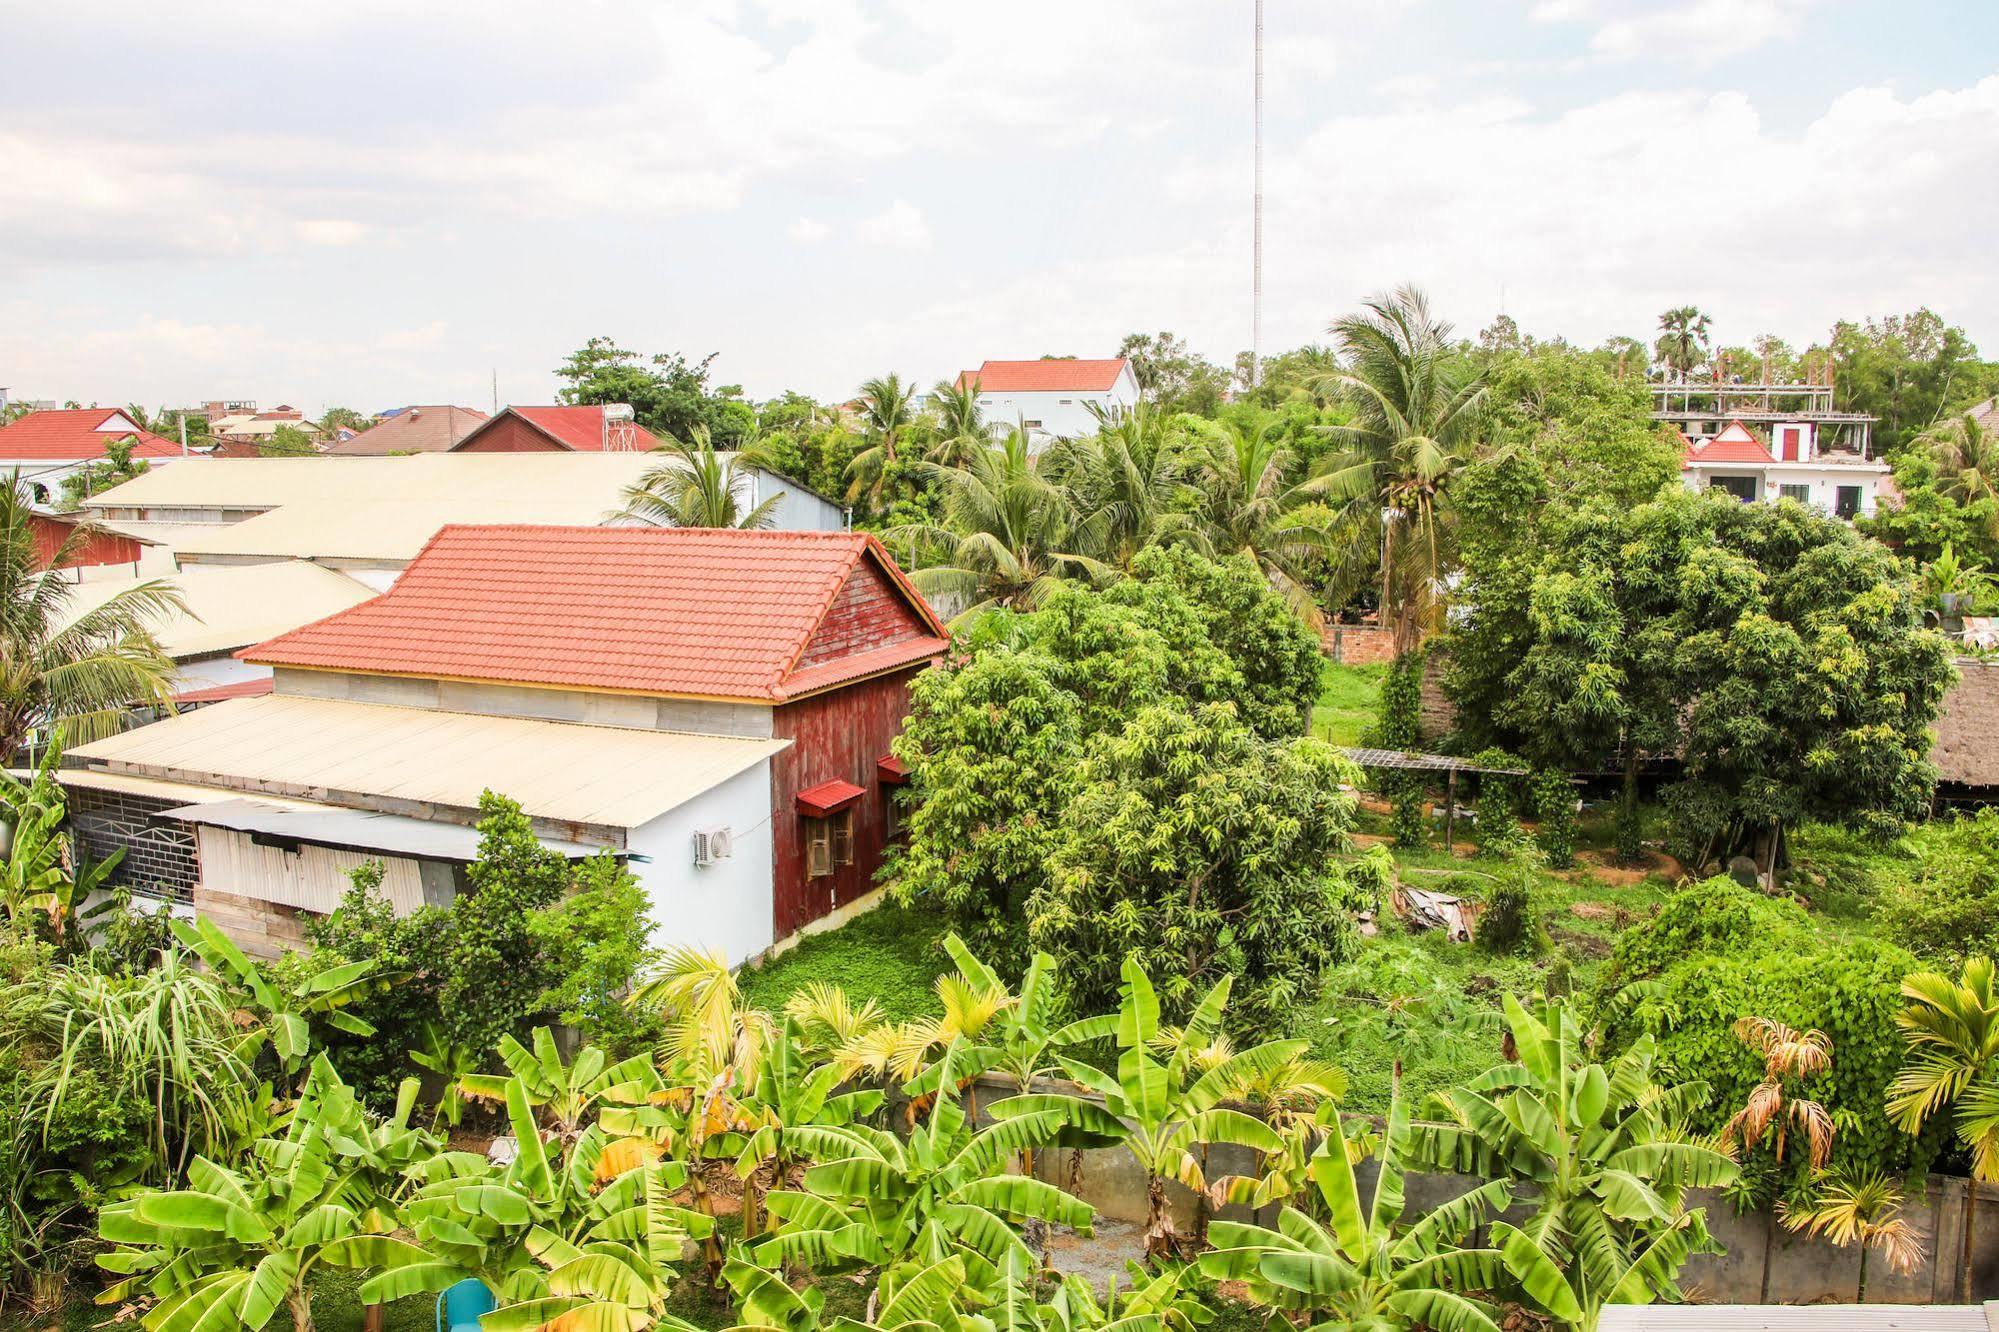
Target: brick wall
{"type": "Point", "coordinates": [1357, 644]}
{"type": "Point", "coordinates": [160, 858]}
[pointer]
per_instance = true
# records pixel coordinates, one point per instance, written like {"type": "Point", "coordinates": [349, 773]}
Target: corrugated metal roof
{"type": "Point", "coordinates": [1794, 1318]}
{"type": "Point", "coordinates": [355, 829]}
{"type": "Point", "coordinates": [232, 607]}
{"type": "Point", "coordinates": [352, 753]}
{"type": "Point", "coordinates": [266, 483]}
{"type": "Point", "coordinates": [77, 432]}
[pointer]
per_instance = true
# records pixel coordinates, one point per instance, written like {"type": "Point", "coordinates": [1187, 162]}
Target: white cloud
{"type": "Point", "coordinates": [1699, 30]}
{"type": "Point", "coordinates": [808, 230]}
{"type": "Point", "coordinates": [1561, 11]}
{"type": "Point", "coordinates": [900, 226]}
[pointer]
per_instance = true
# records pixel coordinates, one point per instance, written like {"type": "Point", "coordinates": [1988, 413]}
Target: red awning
{"type": "Point", "coordinates": [890, 770]}
{"type": "Point", "coordinates": [827, 798]}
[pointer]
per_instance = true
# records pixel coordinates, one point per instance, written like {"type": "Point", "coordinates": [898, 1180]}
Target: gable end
{"type": "Point", "coordinates": [868, 612]}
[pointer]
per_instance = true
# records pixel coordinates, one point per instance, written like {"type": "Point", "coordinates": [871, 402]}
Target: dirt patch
{"type": "Point", "coordinates": [1098, 1258]}
{"type": "Point", "coordinates": [1603, 867]}
{"type": "Point", "coordinates": [1584, 945]}
{"type": "Point", "coordinates": [1595, 910]}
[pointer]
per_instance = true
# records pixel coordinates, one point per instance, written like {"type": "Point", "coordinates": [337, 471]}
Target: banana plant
{"type": "Point", "coordinates": [1019, 1038]}
{"type": "Point", "coordinates": [1607, 1156]}
{"type": "Point", "coordinates": [452, 1063]}
{"type": "Point", "coordinates": [1366, 1268]}
{"type": "Point", "coordinates": [1162, 1105]}
{"type": "Point", "coordinates": [286, 1012]}
{"type": "Point", "coordinates": [560, 1198]}
{"type": "Point", "coordinates": [565, 1093]}
{"type": "Point", "coordinates": [790, 1093]}
{"type": "Point", "coordinates": [933, 1298]}
{"type": "Point", "coordinates": [238, 1244]}
{"type": "Point", "coordinates": [41, 872]}
{"type": "Point", "coordinates": [875, 1200]}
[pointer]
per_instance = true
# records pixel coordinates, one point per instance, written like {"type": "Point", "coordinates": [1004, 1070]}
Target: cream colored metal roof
{"type": "Point", "coordinates": [266, 483]}
{"type": "Point", "coordinates": [389, 531]}
{"type": "Point", "coordinates": [178, 792]}
{"type": "Point", "coordinates": [233, 607]}
{"type": "Point", "coordinates": [336, 751]}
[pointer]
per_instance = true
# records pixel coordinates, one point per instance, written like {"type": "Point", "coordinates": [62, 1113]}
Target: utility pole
{"type": "Point", "coordinates": [496, 390]}
{"type": "Point", "coordinates": [1256, 243]}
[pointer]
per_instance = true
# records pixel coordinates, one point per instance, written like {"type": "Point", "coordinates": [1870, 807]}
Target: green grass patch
{"type": "Point", "coordinates": [1349, 697]}
{"type": "Point", "coordinates": [891, 955]}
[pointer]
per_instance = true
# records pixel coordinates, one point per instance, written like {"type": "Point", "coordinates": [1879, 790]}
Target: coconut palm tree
{"type": "Point", "coordinates": [1417, 408]}
{"type": "Point", "coordinates": [887, 409]}
{"type": "Point", "coordinates": [1682, 343]}
{"type": "Point", "coordinates": [1863, 1208]}
{"type": "Point", "coordinates": [1008, 532]}
{"type": "Point", "coordinates": [1967, 458]}
{"type": "Point", "coordinates": [80, 673]}
{"type": "Point", "coordinates": [692, 485]}
{"type": "Point", "coordinates": [1126, 482]}
{"type": "Point", "coordinates": [1251, 503]}
{"type": "Point", "coordinates": [1952, 1030]}
{"type": "Point", "coordinates": [961, 425]}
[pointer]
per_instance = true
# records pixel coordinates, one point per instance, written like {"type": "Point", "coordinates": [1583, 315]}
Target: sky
{"type": "Point", "coordinates": [371, 204]}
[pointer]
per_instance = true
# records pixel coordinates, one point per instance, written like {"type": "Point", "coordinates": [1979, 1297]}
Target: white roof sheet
{"type": "Point", "coordinates": [354, 829]}
{"type": "Point", "coordinates": [232, 607]}
{"type": "Point", "coordinates": [343, 753]}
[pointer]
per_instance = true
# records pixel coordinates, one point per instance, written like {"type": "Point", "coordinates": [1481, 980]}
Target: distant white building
{"type": "Point", "coordinates": [1792, 466]}
{"type": "Point", "coordinates": [1053, 398]}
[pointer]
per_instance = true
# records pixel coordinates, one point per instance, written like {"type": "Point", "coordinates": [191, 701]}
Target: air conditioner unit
{"type": "Point", "coordinates": [713, 844]}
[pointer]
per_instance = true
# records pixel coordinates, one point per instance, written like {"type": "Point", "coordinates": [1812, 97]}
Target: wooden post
{"type": "Point", "coordinates": [1450, 809]}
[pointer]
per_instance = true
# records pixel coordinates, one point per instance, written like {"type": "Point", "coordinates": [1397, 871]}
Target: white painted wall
{"type": "Point", "coordinates": [727, 905]}
{"type": "Point", "coordinates": [1821, 481]}
{"type": "Point", "coordinates": [212, 671]}
{"type": "Point", "coordinates": [1064, 414]}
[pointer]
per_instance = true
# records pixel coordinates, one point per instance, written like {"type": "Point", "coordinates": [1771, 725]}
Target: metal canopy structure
{"type": "Point", "coordinates": [357, 830]}
{"type": "Point", "coordinates": [1401, 760]}
{"type": "Point", "coordinates": [1404, 760]}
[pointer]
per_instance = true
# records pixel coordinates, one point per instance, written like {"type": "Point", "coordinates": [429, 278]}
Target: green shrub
{"type": "Point", "coordinates": [1511, 919]}
{"type": "Point", "coordinates": [1552, 796]}
{"type": "Point", "coordinates": [1938, 892]}
{"type": "Point", "coordinates": [1717, 952]}
{"type": "Point", "coordinates": [891, 955]}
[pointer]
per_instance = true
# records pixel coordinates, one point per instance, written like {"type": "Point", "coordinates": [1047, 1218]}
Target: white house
{"type": "Point", "coordinates": [715, 708]}
{"type": "Point", "coordinates": [44, 447]}
{"type": "Point", "coordinates": [1053, 398]}
{"type": "Point", "coordinates": [1792, 466]}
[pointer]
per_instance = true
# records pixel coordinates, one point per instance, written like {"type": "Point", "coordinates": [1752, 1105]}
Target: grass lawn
{"type": "Point", "coordinates": [1348, 698]}
{"type": "Point", "coordinates": [890, 955]}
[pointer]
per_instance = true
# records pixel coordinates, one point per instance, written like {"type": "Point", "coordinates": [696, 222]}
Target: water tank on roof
{"type": "Point", "coordinates": [618, 411]}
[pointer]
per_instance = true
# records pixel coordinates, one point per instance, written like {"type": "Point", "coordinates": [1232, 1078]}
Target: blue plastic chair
{"type": "Point", "coordinates": [459, 1307]}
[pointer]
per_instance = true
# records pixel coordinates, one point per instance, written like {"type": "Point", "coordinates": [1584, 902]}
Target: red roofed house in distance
{"type": "Point", "coordinates": [46, 446]}
{"type": "Point", "coordinates": [715, 707]}
{"type": "Point", "coordinates": [1052, 398]}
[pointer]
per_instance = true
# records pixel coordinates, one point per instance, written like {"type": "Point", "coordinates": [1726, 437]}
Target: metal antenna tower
{"type": "Point", "coordinates": [1256, 224]}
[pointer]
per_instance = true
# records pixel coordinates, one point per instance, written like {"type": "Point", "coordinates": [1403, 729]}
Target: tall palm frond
{"type": "Point", "coordinates": [961, 426]}
{"type": "Point", "coordinates": [1126, 482]}
{"type": "Point", "coordinates": [692, 485]}
{"type": "Point", "coordinates": [887, 409]}
{"type": "Point", "coordinates": [1250, 502]}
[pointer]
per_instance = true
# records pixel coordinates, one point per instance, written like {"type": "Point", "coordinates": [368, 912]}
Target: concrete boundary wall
{"type": "Point", "coordinates": [1803, 1270]}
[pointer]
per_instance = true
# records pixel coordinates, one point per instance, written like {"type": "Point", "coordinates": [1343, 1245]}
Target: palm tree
{"type": "Point", "coordinates": [1952, 1031]}
{"type": "Point", "coordinates": [1250, 503]}
{"type": "Point", "coordinates": [887, 409]}
{"type": "Point", "coordinates": [1865, 1208]}
{"type": "Point", "coordinates": [1789, 1056]}
{"type": "Point", "coordinates": [1682, 343]}
{"type": "Point", "coordinates": [1417, 408]}
{"type": "Point", "coordinates": [1007, 531]}
{"type": "Point", "coordinates": [78, 673]}
{"type": "Point", "coordinates": [693, 486]}
{"type": "Point", "coordinates": [1967, 458]}
{"type": "Point", "coordinates": [961, 425]}
{"type": "Point", "coordinates": [1126, 482]}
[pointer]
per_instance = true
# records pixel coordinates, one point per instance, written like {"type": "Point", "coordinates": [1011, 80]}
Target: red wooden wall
{"type": "Point", "coordinates": [510, 434]}
{"type": "Point", "coordinates": [838, 734]}
{"type": "Point", "coordinates": [102, 548]}
{"type": "Point", "coordinates": [867, 613]}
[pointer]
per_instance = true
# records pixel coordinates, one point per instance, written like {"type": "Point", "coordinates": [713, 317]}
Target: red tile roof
{"type": "Point", "coordinates": [1045, 376]}
{"type": "Point", "coordinates": [1718, 450]}
{"type": "Point", "coordinates": [828, 798]}
{"type": "Point", "coordinates": [690, 612]}
{"type": "Point", "coordinates": [74, 433]}
{"type": "Point", "coordinates": [578, 428]}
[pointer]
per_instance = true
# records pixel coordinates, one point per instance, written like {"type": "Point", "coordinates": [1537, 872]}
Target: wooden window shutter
{"type": "Point", "coordinates": [843, 837]}
{"type": "Point", "coordinates": [818, 848]}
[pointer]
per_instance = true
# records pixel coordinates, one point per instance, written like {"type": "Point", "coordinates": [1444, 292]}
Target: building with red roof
{"type": "Point", "coordinates": [715, 707]}
{"type": "Point", "coordinates": [603, 428]}
{"type": "Point", "coordinates": [1055, 397]}
{"type": "Point", "coordinates": [435, 429]}
{"type": "Point", "coordinates": [46, 446]}
{"type": "Point", "coordinates": [1740, 461]}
